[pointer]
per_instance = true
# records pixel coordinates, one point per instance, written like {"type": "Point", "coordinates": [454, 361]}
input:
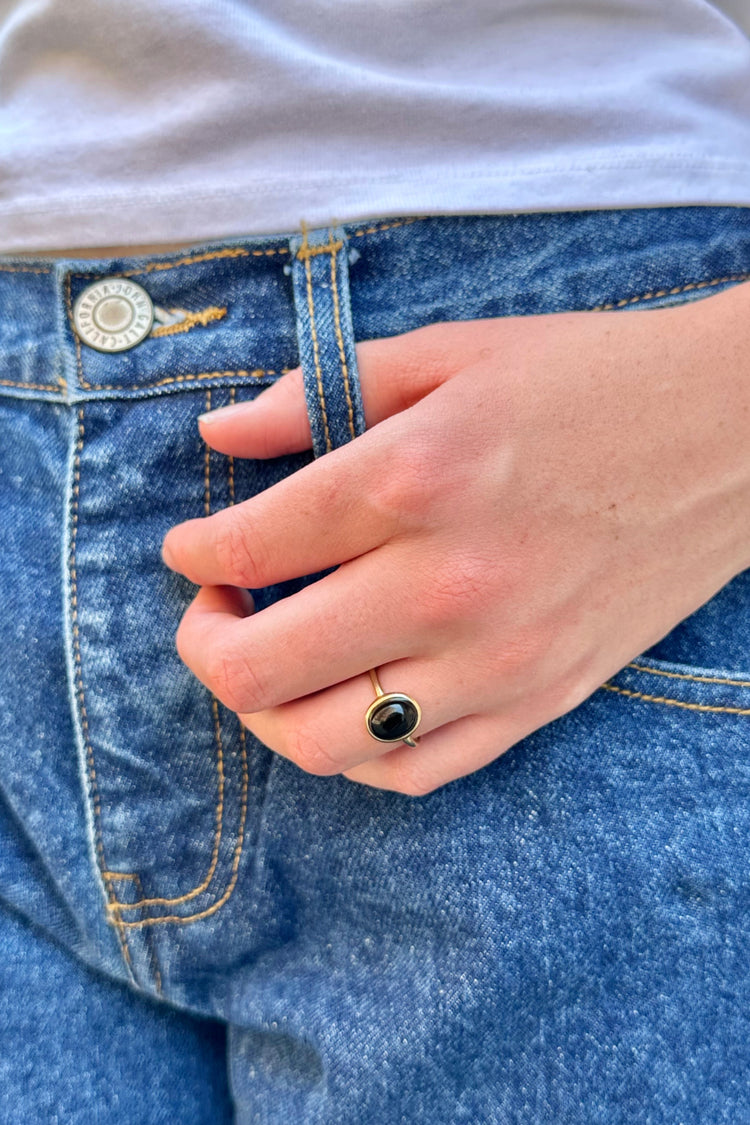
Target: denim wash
{"type": "Point", "coordinates": [194, 930]}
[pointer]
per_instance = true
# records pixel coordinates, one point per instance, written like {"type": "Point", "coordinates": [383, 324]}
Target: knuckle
{"type": "Point", "coordinates": [458, 587]}
{"type": "Point", "coordinates": [239, 552]}
{"type": "Point", "coordinates": [414, 778]}
{"type": "Point", "coordinates": [400, 495]}
{"type": "Point", "coordinates": [234, 679]}
{"type": "Point", "coordinates": [306, 748]}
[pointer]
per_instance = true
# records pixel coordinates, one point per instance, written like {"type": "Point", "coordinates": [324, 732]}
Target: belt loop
{"type": "Point", "coordinates": [320, 274]}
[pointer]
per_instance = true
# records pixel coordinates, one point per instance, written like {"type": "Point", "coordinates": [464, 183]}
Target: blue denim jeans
{"type": "Point", "coordinates": [193, 929]}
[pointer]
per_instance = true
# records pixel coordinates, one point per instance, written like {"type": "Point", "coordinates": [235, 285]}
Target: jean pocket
{"type": "Point", "coordinates": [703, 664]}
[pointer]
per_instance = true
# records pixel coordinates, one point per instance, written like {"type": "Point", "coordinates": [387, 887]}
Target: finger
{"type": "Point", "coordinates": [445, 754]}
{"type": "Point", "coordinates": [320, 516]}
{"type": "Point", "coordinates": [329, 631]}
{"type": "Point", "coordinates": [326, 733]}
{"type": "Point", "coordinates": [394, 373]}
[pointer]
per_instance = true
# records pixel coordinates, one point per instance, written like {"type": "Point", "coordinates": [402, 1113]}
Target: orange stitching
{"type": "Point", "coordinates": [254, 374]}
{"type": "Point", "coordinates": [390, 226]}
{"type": "Point", "coordinates": [235, 860]}
{"type": "Point", "coordinates": [316, 350]}
{"type": "Point", "coordinates": [258, 373]}
{"type": "Point", "coordinates": [340, 339]}
{"type": "Point", "coordinates": [305, 251]}
{"type": "Point", "coordinates": [676, 702]}
{"type": "Point", "coordinates": [671, 292]}
{"type": "Point", "coordinates": [149, 939]}
{"type": "Point", "coordinates": [94, 789]}
{"type": "Point", "coordinates": [685, 676]}
{"type": "Point", "coordinates": [229, 252]}
{"type": "Point", "coordinates": [174, 901]}
{"type": "Point", "coordinates": [25, 269]}
{"type": "Point", "coordinates": [243, 804]}
{"type": "Point", "coordinates": [33, 386]}
{"type": "Point", "coordinates": [208, 878]}
{"type": "Point", "coordinates": [205, 316]}
{"type": "Point", "coordinates": [184, 919]}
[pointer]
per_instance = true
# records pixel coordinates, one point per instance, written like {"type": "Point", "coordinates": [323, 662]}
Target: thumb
{"type": "Point", "coordinates": [276, 422]}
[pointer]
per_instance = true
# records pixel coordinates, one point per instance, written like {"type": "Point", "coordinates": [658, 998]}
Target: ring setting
{"type": "Point", "coordinates": [392, 716]}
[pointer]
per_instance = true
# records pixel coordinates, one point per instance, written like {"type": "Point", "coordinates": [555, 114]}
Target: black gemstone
{"type": "Point", "coordinates": [393, 720]}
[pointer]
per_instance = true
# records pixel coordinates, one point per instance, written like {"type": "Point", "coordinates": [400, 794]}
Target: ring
{"type": "Point", "coordinates": [392, 716]}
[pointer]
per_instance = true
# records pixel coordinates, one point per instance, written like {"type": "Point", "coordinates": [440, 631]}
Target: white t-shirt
{"type": "Point", "coordinates": [161, 120]}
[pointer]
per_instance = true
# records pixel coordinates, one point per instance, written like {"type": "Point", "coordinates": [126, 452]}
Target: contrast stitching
{"type": "Point", "coordinates": [340, 340]}
{"type": "Point", "coordinates": [219, 816]}
{"type": "Point", "coordinates": [259, 373]}
{"type": "Point", "coordinates": [686, 676]}
{"type": "Point", "coordinates": [235, 859]}
{"type": "Point", "coordinates": [26, 269]}
{"type": "Point", "coordinates": [306, 251]}
{"type": "Point", "coordinates": [93, 786]}
{"type": "Point", "coordinates": [316, 350]}
{"type": "Point", "coordinates": [256, 373]}
{"type": "Point", "coordinates": [676, 702]}
{"type": "Point", "coordinates": [149, 939]}
{"type": "Point", "coordinates": [390, 226]}
{"type": "Point", "coordinates": [185, 919]}
{"type": "Point", "coordinates": [34, 386]}
{"type": "Point", "coordinates": [671, 292]}
{"type": "Point", "coordinates": [191, 320]}
{"type": "Point", "coordinates": [229, 252]}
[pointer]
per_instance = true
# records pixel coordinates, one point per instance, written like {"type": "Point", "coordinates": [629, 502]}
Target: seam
{"type": "Point", "coordinates": [254, 374]}
{"type": "Point", "coordinates": [390, 226]}
{"type": "Point", "coordinates": [671, 292]}
{"type": "Point", "coordinates": [676, 702]}
{"type": "Point", "coordinates": [258, 373]}
{"type": "Point", "coordinates": [201, 887]}
{"type": "Point", "coordinates": [33, 386]}
{"type": "Point", "coordinates": [219, 816]}
{"type": "Point", "coordinates": [686, 676]}
{"type": "Point", "coordinates": [185, 919]}
{"type": "Point", "coordinates": [26, 269]}
{"type": "Point", "coordinates": [149, 940]}
{"type": "Point", "coordinates": [94, 797]}
{"type": "Point", "coordinates": [306, 251]}
{"type": "Point", "coordinates": [191, 320]}
{"type": "Point", "coordinates": [339, 336]}
{"type": "Point", "coordinates": [190, 260]}
{"type": "Point", "coordinates": [316, 347]}
{"type": "Point", "coordinates": [229, 252]}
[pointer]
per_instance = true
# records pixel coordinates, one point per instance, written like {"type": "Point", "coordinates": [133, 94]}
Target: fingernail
{"type": "Point", "coordinates": [166, 554]}
{"type": "Point", "coordinates": [224, 412]}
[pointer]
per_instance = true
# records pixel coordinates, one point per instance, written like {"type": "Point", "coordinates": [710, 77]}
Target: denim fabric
{"type": "Point", "coordinates": [193, 929]}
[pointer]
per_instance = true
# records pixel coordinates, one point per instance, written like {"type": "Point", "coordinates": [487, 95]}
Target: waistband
{"type": "Point", "coordinates": [225, 310]}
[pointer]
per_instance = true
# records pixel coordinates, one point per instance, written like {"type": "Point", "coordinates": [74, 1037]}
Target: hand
{"type": "Point", "coordinates": [535, 502]}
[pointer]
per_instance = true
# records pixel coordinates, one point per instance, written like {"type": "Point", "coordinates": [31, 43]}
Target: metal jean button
{"type": "Point", "coordinates": [113, 315]}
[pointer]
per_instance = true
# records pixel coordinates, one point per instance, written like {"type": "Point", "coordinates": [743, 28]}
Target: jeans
{"type": "Point", "coordinates": [192, 928]}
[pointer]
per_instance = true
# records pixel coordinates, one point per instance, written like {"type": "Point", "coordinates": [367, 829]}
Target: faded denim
{"type": "Point", "coordinates": [193, 929]}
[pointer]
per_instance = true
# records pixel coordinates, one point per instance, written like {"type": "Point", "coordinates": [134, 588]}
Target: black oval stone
{"type": "Point", "coordinates": [392, 720]}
